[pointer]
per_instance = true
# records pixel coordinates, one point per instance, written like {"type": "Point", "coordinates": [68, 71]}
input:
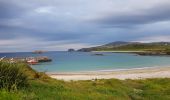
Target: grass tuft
{"type": "Point", "coordinates": [12, 76]}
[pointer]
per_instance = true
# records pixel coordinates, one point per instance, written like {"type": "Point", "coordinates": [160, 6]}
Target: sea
{"type": "Point", "coordinates": [63, 61]}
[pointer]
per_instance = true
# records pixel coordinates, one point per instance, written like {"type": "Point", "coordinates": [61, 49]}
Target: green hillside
{"type": "Point", "coordinates": [131, 46]}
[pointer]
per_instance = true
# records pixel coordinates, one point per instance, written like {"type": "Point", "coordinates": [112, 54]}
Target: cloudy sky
{"type": "Point", "coordinates": [27, 25]}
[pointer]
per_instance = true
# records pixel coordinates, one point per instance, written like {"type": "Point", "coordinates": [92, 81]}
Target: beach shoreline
{"type": "Point", "coordinates": [136, 73]}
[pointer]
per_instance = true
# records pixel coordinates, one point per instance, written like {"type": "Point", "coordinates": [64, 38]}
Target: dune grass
{"type": "Point", "coordinates": [12, 76]}
{"type": "Point", "coordinates": [41, 87]}
{"type": "Point", "coordinates": [112, 89]}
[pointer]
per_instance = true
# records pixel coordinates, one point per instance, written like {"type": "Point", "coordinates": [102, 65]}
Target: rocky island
{"type": "Point", "coordinates": [71, 50]}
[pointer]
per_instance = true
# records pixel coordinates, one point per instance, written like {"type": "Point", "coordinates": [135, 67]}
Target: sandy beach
{"type": "Point", "coordinates": [161, 72]}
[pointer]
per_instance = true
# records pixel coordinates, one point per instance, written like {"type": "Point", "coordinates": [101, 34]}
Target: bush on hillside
{"type": "Point", "coordinates": [11, 76]}
{"type": "Point", "coordinates": [167, 51]}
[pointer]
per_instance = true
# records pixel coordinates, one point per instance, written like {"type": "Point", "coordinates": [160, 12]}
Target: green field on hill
{"type": "Point", "coordinates": [131, 46]}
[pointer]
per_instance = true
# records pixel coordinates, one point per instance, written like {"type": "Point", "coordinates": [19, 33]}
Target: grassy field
{"type": "Point", "coordinates": [41, 87]}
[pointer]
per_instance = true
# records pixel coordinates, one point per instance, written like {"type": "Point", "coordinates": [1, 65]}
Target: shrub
{"type": "Point", "coordinates": [11, 76]}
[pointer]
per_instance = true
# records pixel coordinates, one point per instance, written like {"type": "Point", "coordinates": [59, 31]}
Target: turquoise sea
{"type": "Point", "coordinates": [87, 61]}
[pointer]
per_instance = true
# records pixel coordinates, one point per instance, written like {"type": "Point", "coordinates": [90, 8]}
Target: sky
{"type": "Point", "coordinates": [56, 25]}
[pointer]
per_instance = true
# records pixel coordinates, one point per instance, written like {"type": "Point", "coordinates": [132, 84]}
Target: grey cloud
{"type": "Point", "coordinates": [9, 9]}
{"type": "Point", "coordinates": [11, 32]}
{"type": "Point", "coordinates": [67, 20]}
{"type": "Point", "coordinates": [137, 17]}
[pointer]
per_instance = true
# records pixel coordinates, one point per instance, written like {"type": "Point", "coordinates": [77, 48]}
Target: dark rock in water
{"type": "Point", "coordinates": [98, 54]}
{"type": "Point", "coordinates": [71, 50]}
{"type": "Point", "coordinates": [43, 59]}
{"type": "Point", "coordinates": [38, 52]}
{"type": "Point", "coordinates": [153, 53]}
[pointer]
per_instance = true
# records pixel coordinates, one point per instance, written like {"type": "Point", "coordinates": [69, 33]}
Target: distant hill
{"type": "Point", "coordinates": [118, 43]}
{"type": "Point", "coordinates": [130, 46]}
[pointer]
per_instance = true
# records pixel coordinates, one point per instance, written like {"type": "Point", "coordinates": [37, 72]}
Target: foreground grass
{"type": "Point", "coordinates": [41, 87]}
{"type": "Point", "coordinates": [112, 89]}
